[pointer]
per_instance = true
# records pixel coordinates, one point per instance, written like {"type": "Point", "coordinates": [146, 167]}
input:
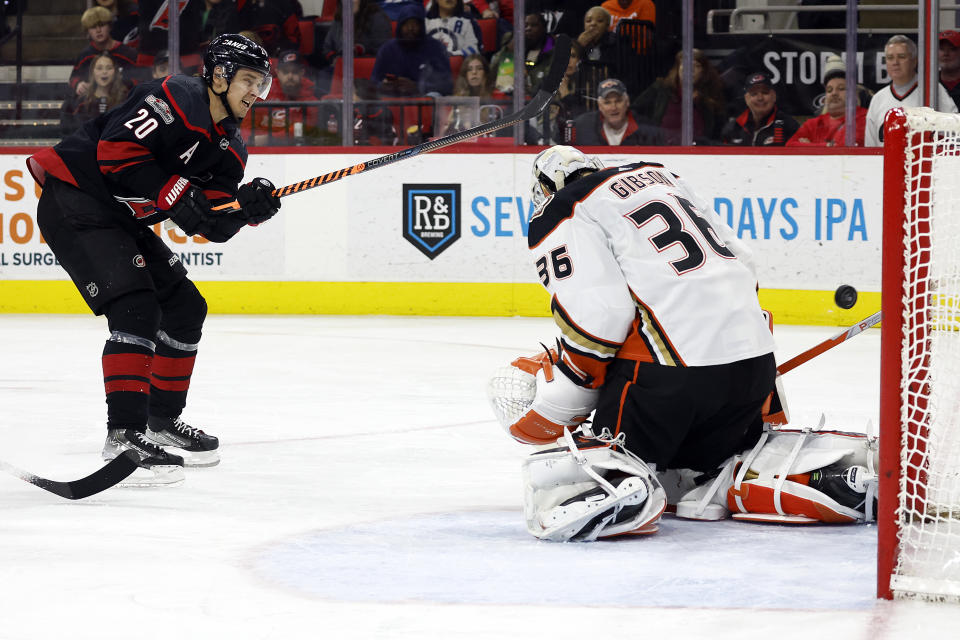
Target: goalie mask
{"type": "Point", "coordinates": [558, 166]}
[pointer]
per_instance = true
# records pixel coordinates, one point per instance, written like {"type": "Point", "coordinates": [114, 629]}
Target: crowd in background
{"type": "Point", "coordinates": [430, 67]}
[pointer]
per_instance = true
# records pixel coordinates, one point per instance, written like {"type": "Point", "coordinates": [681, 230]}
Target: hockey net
{"type": "Point", "coordinates": [919, 513]}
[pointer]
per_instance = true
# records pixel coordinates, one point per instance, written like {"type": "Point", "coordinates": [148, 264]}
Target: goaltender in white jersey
{"type": "Point", "coordinates": [662, 338]}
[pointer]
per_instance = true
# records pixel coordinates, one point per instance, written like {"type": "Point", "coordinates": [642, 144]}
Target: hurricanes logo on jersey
{"type": "Point", "coordinates": [138, 261]}
{"type": "Point", "coordinates": [93, 289]}
{"type": "Point", "coordinates": [431, 216]}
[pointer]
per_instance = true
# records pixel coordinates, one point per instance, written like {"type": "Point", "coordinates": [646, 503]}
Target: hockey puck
{"type": "Point", "coordinates": [845, 296]}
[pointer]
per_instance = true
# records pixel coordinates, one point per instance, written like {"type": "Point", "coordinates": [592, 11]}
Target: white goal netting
{"type": "Point", "coordinates": [928, 512]}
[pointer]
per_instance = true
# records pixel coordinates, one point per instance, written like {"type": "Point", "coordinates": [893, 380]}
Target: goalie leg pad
{"type": "Point", "coordinates": [583, 495]}
{"type": "Point", "coordinates": [792, 476]}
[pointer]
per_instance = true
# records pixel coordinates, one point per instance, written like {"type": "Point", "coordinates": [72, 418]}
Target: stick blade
{"type": "Point", "coordinates": [107, 476]}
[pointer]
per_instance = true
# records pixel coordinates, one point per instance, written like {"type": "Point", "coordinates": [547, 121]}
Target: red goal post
{"type": "Point", "coordinates": [919, 511]}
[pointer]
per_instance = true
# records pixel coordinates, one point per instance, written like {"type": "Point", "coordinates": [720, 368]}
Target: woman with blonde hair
{"type": "Point", "coordinates": [661, 101]}
{"type": "Point", "coordinates": [107, 90]}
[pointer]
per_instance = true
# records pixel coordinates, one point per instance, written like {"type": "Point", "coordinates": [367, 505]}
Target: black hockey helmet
{"type": "Point", "coordinates": [231, 52]}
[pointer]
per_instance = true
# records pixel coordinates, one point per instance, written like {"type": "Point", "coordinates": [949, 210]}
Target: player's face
{"type": "Point", "coordinates": [836, 96]}
{"type": "Point", "coordinates": [447, 5]}
{"type": "Point", "coordinates": [103, 72]}
{"type": "Point", "coordinates": [949, 57]}
{"type": "Point", "coordinates": [243, 91]}
{"type": "Point", "coordinates": [613, 107]}
{"type": "Point", "coordinates": [475, 73]}
{"type": "Point", "coordinates": [900, 64]}
{"type": "Point", "coordinates": [760, 100]}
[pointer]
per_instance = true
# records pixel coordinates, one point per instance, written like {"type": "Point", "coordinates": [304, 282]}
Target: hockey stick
{"type": "Point", "coordinates": [539, 102]}
{"type": "Point", "coordinates": [104, 478]}
{"type": "Point", "coordinates": [829, 343]}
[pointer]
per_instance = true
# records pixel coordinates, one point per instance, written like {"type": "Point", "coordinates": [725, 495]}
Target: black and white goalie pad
{"type": "Point", "coordinates": [793, 476]}
{"type": "Point", "coordinates": [595, 490]}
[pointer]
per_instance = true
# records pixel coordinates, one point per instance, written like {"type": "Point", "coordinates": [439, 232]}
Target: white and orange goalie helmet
{"type": "Point", "coordinates": [558, 166]}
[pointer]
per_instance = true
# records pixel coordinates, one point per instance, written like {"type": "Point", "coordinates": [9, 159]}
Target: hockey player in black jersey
{"type": "Point", "coordinates": [170, 151]}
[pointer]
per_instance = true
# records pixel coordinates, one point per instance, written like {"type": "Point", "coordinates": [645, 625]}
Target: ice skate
{"type": "Point", "coordinates": [197, 448]}
{"type": "Point", "coordinates": [157, 467]}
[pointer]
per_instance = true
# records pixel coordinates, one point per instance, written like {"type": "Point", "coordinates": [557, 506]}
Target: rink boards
{"type": "Point", "coordinates": [445, 234]}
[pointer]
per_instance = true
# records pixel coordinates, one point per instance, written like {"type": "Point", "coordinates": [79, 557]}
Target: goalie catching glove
{"type": "Point", "coordinates": [257, 202]}
{"type": "Point", "coordinates": [534, 400]}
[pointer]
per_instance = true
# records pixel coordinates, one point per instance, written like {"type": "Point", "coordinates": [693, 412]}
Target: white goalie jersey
{"type": "Point", "coordinates": [639, 266]}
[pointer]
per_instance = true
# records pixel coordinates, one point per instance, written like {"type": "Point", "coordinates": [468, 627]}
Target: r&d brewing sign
{"type": "Point", "coordinates": [431, 216]}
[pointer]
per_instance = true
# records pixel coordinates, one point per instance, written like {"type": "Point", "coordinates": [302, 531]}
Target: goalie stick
{"type": "Point", "coordinates": [539, 102]}
{"type": "Point", "coordinates": [104, 478]}
{"type": "Point", "coordinates": [828, 344]}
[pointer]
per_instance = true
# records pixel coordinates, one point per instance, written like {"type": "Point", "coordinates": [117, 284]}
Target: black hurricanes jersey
{"type": "Point", "coordinates": [137, 155]}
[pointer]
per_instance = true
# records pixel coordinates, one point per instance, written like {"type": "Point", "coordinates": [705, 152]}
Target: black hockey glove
{"type": "Point", "coordinates": [192, 212]}
{"type": "Point", "coordinates": [257, 202]}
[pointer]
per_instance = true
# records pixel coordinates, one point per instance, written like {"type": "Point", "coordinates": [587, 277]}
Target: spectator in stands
{"type": "Point", "coordinates": [219, 16]}
{"type": "Point", "coordinates": [154, 30]}
{"type": "Point", "coordinates": [600, 45]}
{"type": "Point", "coordinates": [475, 79]}
{"type": "Point", "coordinates": [161, 65]}
{"type": "Point", "coordinates": [761, 123]}
{"type": "Point", "coordinates": [900, 54]}
{"type": "Point", "coordinates": [106, 90]}
{"type": "Point", "coordinates": [447, 22]}
{"type": "Point", "coordinates": [538, 45]}
{"type": "Point", "coordinates": [412, 63]}
{"type": "Point", "coordinates": [660, 103]}
{"type": "Point", "coordinates": [97, 21]}
{"type": "Point", "coordinates": [630, 10]}
{"type": "Point", "coordinates": [125, 18]}
{"type": "Point", "coordinates": [949, 58]}
{"type": "Point", "coordinates": [371, 30]}
{"type": "Point", "coordinates": [828, 130]}
{"type": "Point", "coordinates": [276, 21]}
{"type": "Point", "coordinates": [288, 125]}
{"type": "Point", "coordinates": [614, 123]}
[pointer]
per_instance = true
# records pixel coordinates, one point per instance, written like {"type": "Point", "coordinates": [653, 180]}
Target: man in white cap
{"type": "Point", "coordinates": [827, 129]}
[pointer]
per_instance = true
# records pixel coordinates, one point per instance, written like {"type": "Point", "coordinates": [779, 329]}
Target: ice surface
{"type": "Point", "coordinates": [367, 492]}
